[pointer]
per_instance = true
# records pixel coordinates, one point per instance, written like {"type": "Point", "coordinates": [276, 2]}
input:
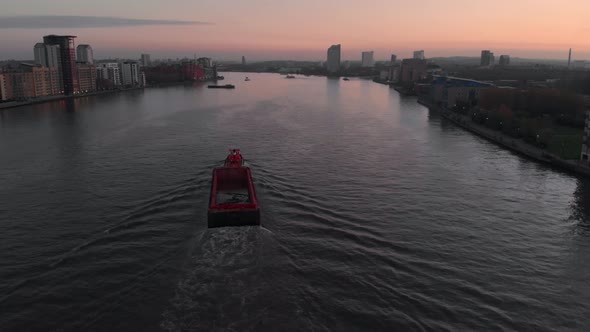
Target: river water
{"type": "Point", "coordinates": [378, 215]}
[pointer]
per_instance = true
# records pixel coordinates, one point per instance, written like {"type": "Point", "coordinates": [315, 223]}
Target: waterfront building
{"type": "Point", "coordinates": [413, 70]}
{"type": "Point", "coordinates": [394, 73]}
{"type": "Point", "coordinates": [84, 54]}
{"type": "Point", "coordinates": [243, 60]}
{"type": "Point", "coordinates": [192, 71]}
{"type": "Point", "coordinates": [49, 56]}
{"type": "Point", "coordinates": [109, 71]}
{"type": "Point", "coordinates": [448, 91]}
{"type": "Point", "coordinates": [146, 60]}
{"type": "Point", "coordinates": [29, 81]}
{"type": "Point", "coordinates": [142, 80]}
{"type": "Point", "coordinates": [129, 73]}
{"type": "Point", "coordinates": [22, 84]}
{"type": "Point", "coordinates": [67, 61]}
{"type": "Point", "coordinates": [367, 59]}
{"type": "Point", "coordinates": [205, 62]}
{"type": "Point", "coordinates": [333, 59]}
{"type": "Point", "coordinates": [5, 89]}
{"type": "Point", "coordinates": [46, 55]}
{"type": "Point", "coordinates": [45, 80]}
{"type": "Point", "coordinates": [487, 58]}
{"type": "Point", "coordinates": [504, 60]}
{"type": "Point", "coordinates": [419, 55]}
{"type": "Point", "coordinates": [87, 77]}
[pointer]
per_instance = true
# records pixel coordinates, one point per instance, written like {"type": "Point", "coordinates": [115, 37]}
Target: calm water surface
{"type": "Point", "coordinates": [378, 215]}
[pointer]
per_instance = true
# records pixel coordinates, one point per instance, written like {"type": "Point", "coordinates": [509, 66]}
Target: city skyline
{"type": "Point", "coordinates": [260, 30]}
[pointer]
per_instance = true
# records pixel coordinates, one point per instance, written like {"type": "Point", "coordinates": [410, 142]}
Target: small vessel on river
{"type": "Point", "coordinates": [232, 201]}
{"type": "Point", "coordinates": [226, 86]}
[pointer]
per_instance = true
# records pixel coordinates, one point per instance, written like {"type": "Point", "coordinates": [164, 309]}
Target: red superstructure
{"type": "Point", "coordinates": [234, 159]}
{"type": "Point", "coordinates": [233, 201]}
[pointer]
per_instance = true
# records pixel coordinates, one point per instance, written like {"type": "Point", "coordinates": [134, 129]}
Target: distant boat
{"type": "Point", "coordinates": [220, 77]}
{"type": "Point", "coordinates": [290, 76]}
{"type": "Point", "coordinates": [346, 79]}
{"type": "Point", "coordinates": [247, 79]}
{"type": "Point", "coordinates": [227, 86]}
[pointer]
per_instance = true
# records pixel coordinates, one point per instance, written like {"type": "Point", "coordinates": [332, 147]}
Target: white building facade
{"type": "Point", "coordinates": [109, 71]}
{"type": "Point", "coordinates": [130, 73]}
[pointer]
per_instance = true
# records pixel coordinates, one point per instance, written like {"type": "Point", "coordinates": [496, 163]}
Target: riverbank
{"type": "Point", "coordinates": [16, 104]}
{"type": "Point", "coordinates": [511, 143]}
{"type": "Point", "coordinates": [403, 91]}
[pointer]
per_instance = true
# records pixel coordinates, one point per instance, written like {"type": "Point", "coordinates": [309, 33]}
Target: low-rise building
{"type": "Point", "coordinates": [22, 84]}
{"type": "Point", "coordinates": [46, 80]}
{"type": "Point", "coordinates": [448, 91]}
{"type": "Point", "coordinates": [29, 81]}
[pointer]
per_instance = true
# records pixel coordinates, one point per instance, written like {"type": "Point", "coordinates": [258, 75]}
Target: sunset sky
{"type": "Point", "coordinates": [304, 29]}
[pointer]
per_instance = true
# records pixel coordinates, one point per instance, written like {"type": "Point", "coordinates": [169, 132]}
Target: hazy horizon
{"type": "Point", "coordinates": [302, 30]}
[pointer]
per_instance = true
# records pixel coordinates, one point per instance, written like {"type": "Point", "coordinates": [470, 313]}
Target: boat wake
{"type": "Point", "coordinates": [226, 282]}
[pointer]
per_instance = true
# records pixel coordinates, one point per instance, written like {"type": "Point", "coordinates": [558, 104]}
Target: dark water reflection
{"type": "Point", "coordinates": [378, 215]}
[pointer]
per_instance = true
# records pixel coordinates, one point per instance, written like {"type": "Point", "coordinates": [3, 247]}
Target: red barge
{"type": "Point", "coordinates": [233, 201]}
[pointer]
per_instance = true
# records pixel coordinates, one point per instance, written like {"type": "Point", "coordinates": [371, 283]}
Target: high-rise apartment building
{"type": "Point", "coordinates": [109, 71]}
{"type": "Point", "coordinates": [46, 55]}
{"type": "Point", "coordinates": [146, 60]}
{"type": "Point", "coordinates": [504, 60]}
{"type": "Point", "coordinates": [413, 70]}
{"type": "Point", "coordinates": [487, 58]}
{"type": "Point", "coordinates": [333, 59]}
{"type": "Point", "coordinates": [67, 61]}
{"type": "Point", "coordinates": [393, 59]}
{"type": "Point", "coordinates": [130, 73]}
{"type": "Point", "coordinates": [84, 54]}
{"type": "Point", "coordinates": [419, 55]}
{"type": "Point", "coordinates": [367, 59]}
{"type": "Point", "coordinates": [5, 88]}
